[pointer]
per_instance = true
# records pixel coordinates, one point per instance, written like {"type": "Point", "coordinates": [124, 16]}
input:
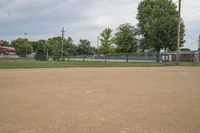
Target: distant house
{"type": "Point", "coordinates": [185, 56]}
{"type": "Point", "coordinates": [6, 50]}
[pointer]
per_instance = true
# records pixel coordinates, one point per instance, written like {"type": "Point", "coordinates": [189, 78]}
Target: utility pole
{"type": "Point", "coordinates": [62, 37]}
{"type": "Point", "coordinates": [26, 44]}
{"type": "Point", "coordinates": [199, 43]}
{"type": "Point", "coordinates": [97, 41]}
{"type": "Point", "coordinates": [97, 44]}
{"type": "Point", "coordinates": [178, 34]}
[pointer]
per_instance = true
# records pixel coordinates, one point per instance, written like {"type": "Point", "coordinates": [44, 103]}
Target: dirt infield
{"type": "Point", "coordinates": [100, 100]}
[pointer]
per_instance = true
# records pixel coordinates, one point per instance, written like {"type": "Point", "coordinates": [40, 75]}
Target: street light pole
{"type": "Point", "coordinates": [178, 34]}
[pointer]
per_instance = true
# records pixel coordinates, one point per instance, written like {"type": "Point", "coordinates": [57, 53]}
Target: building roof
{"type": "Point", "coordinates": [185, 52]}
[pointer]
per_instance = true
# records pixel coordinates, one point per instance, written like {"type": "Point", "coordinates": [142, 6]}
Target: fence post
{"type": "Point", "coordinates": [83, 57]}
{"type": "Point", "coordinates": [127, 57]}
{"type": "Point", "coordinates": [68, 57]}
{"type": "Point", "coordinates": [194, 59]}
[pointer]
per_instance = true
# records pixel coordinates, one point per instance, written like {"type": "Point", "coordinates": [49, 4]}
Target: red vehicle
{"type": "Point", "coordinates": [6, 50]}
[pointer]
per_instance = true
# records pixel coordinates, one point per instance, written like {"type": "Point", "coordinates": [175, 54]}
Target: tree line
{"type": "Point", "coordinates": [51, 47]}
{"type": "Point", "coordinates": [156, 30]}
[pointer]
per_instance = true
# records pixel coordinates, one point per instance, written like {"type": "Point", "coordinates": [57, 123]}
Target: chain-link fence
{"type": "Point", "coordinates": [16, 57]}
{"type": "Point", "coordinates": [117, 57]}
{"type": "Point", "coordinates": [185, 56]}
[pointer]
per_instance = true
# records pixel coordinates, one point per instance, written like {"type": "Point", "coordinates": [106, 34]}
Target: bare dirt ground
{"type": "Point", "coordinates": [100, 100]}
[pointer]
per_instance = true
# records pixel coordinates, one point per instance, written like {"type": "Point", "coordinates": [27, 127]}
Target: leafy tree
{"type": "Point", "coordinates": [55, 47]}
{"type": "Point", "coordinates": [125, 39]}
{"type": "Point", "coordinates": [172, 44]}
{"type": "Point", "coordinates": [143, 45]}
{"type": "Point", "coordinates": [185, 49]}
{"type": "Point", "coordinates": [85, 48]}
{"type": "Point", "coordinates": [69, 47]}
{"type": "Point", "coordinates": [5, 43]}
{"type": "Point", "coordinates": [55, 44]}
{"type": "Point", "coordinates": [93, 50]}
{"type": "Point", "coordinates": [22, 47]}
{"type": "Point", "coordinates": [106, 42]}
{"type": "Point", "coordinates": [158, 24]}
{"type": "Point", "coordinates": [34, 45]}
{"type": "Point", "coordinates": [41, 51]}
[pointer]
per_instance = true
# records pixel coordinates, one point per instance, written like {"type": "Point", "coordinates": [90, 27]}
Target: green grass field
{"type": "Point", "coordinates": [6, 64]}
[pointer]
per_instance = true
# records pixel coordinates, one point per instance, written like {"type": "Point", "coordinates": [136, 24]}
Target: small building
{"type": "Point", "coordinates": [6, 50]}
{"type": "Point", "coordinates": [185, 56]}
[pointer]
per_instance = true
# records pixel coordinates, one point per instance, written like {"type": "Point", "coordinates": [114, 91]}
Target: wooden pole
{"type": "Point", "coordinates": [178, 34]}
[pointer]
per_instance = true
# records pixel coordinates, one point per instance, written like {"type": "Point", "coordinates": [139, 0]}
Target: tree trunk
{"type": "Point", "coordinates": [165, 59]}
{"type": "Point", "coordinates": [68, 57]}
{"type": "Point", "coordinates": [83, 57]}
{"type": "Point", "coordinates": [105, 57]}
{"type": "Point", "coordinates": [158, 55]}
{"type": "Point", "coordinates": [126, 57]}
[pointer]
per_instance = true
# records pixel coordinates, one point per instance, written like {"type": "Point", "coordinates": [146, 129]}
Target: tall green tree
{"type": "Point", "coordinates": [69, 47]}
{"type": "Point", "coordinates": [106, 42]}
{"type": "Point", "coordinates": [22, 47]}
{"type": "Point", "coordinates": [41, 50]}
{"type": "Point", "coordinates": [55, 44]}
{"type": "Point", "coordinates": [34, 45]}
{"type": "Point", "coordinates": [158, 24]}
{"type": "Point", "coordinates": [185, 49]}
{"type": "Point", "coordinates": [143, 45]}
{"type": "Point", "coordinates": [125, 39]}
{"type": "Point", "coordinates": [84, 47]}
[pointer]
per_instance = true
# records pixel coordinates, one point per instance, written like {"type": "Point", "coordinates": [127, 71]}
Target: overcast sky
{"type": "Point", "coordinates": [83, 19]}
